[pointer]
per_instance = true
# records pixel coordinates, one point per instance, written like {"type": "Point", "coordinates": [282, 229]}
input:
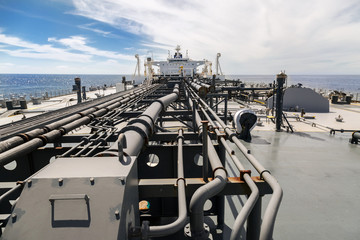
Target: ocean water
{"type": "Point", "coordinates": [55, 84]}
{"type": "Point", "coordinates": [36, 85]}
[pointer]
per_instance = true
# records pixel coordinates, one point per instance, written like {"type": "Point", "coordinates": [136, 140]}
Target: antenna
{"type": "Point", "coordinates": [218, 55]}
{"type": "Point", "coordinates": [137, 68]}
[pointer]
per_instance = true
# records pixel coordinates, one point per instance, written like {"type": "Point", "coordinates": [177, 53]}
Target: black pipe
{"type": "Point", "coordinates": [24, 137]}
{"type": "Point", "coordinates": [355, 137]}
{"type": "Point", "coordinates": [138, 130]}
{"type": "Point", "coordinates": [280, 79]}
{"type": "Point", "coordinates": [78, 89]}
{"type": "Point", "coordinates": [41, 140]}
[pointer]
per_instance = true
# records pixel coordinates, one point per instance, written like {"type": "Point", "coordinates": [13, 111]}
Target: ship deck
{"type": "Point", "coordinates": [318, 172]}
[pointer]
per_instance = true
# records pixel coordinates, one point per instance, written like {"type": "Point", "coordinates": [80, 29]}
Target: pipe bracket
{"type": "Point", "coordinates": [243, 172]}
{"type": "Point", "coordinates": [62, 130]}
{"type": "Point", "coordinates": [44, 139]}
{"type": "Point", "coordinates": [142, 121]}
{"type": "Point", "coordinates": [24, 136]}
{"type": "Point", "coordinates": [177, 180]}
{"type": "Point", "coordinates": [218, 169]}
{"type": "Point", "coordinates": [162, 104]}
{"type": "Point", "coordinates": [261, 177]}
{"type": "Point", "coordinates": [180, 137]}
{"type": "Point", "coordinates": [81, 114]}
{"type": "Point", "coordinates": [47, 129]}
{"type": "Point", "coordinates": [136, 129]}
{"type": "Point", "coordinates": [145, 115]}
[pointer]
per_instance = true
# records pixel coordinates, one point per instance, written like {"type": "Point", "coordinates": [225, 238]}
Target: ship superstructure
{"type": "Point", "coordinates": [177, 65]}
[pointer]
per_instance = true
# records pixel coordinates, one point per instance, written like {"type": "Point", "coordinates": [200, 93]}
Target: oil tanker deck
{"type": "Point", "coordinates": [183, 156]}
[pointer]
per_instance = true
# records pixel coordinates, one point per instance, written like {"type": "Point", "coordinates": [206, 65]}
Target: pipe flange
{"type": "Point", "coordinates": [62, 130]}
{"type": "Point", "coordinates": [44, 139]}
{"type": "Point", "coordinates": [85, 139]}
{"type": "Point", "coordinates": [24, 136]}
{"type": "Point", "coordinates": [102, 141]}
{"type": "Point", "coordinates": [162, 104]}
{"type": "Point", "coordinates": [145, 115]}
{"type": "Point", "coordinates": [136, 129]}
{"type": "Point", "coordinates": [142, 121]}
{"type": "Point", "coordinates": [81, 114]}
{"type": "Point", "coordinates": [47, 129]}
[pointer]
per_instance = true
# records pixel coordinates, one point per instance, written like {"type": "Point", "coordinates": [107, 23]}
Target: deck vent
{"type": "Point", "coordinates": [244, 121]}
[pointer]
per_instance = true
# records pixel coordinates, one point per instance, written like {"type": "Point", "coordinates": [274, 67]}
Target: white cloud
{"type": "Point", "coordinates": [111, 61]}
{"type": "Point", "coordinates": [308, 36]}
{"type": "Point", "coordinates": [74, 49]}
{"type": "Point", "coordinates": [101, 67]}
{"type": "Point", "coordinates": [27, 49]}
{"type": "Point", "coordinates": [79, 44]}
{"type": "Point", "coordinates": [93, 29]}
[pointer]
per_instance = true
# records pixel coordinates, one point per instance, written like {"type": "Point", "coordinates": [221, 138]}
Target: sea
{"type": "Point", "coordinates": [37, 85]}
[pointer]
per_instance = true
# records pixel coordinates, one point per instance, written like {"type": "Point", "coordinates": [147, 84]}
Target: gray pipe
{"type": "Point", "coordinates": [268, 223]}
{"type": "Point", "coordinates": [41, 140]}
{"type": "Point", "coordinates": [250, 203]}
{"type": "Point", "coordinates": [28, 147]}
{"type": "Point", "coordinates": [201, 90]}
{"type": "Point", "coordinates": [246, 209]}
{"type": "Point", "coordinates": [21, 138]}
{"type": "Point", "coordinates": [179, 223]}
{"type": "Point", "coordinates": [208, 190]}
{"type": "Point", "coordinates": [8, 194]}
{"type": "Point", "coordinates": [15, 141]}
{"type": "Point", "coordinates": [208, 87]}
{"type": "Point", "coordinates": [139, 129]}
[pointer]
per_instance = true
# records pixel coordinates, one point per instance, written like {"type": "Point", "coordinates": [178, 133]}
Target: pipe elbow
{"type": "Point", "coordinates": [205, 192]}
{"type": "Point", "coordinates": [278, 192]}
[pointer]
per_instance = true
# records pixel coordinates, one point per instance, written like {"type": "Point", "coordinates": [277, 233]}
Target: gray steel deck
{"type": "Point", "coordinates": [318, 172]}
{"type": "Point", "coordinates": [320, 177]}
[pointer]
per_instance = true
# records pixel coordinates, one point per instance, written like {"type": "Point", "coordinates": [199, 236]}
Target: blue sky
{"type": "Point", "coordinates": [254, 37]}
